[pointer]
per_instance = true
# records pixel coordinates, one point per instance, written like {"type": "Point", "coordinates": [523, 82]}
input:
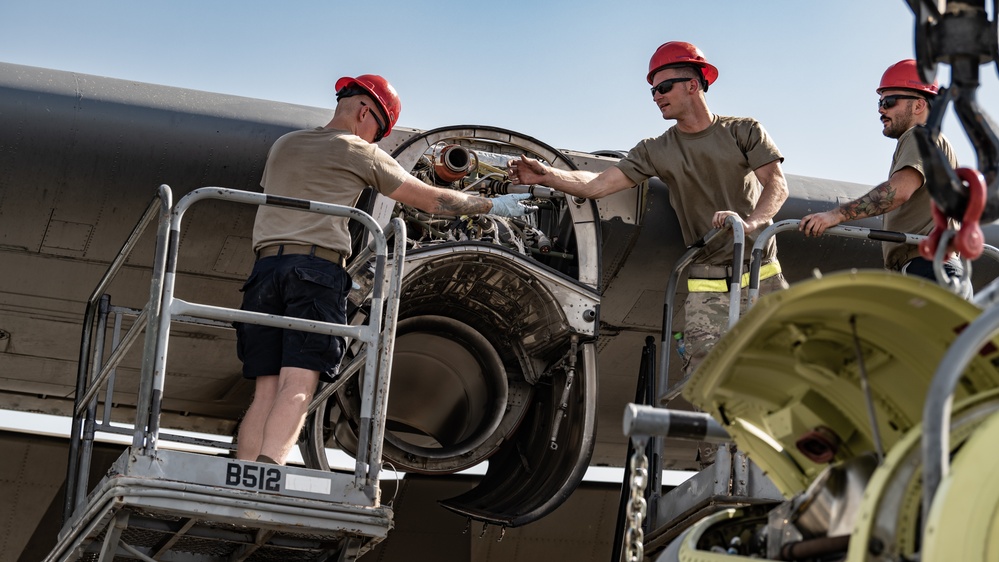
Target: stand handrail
{"type": "Point", "coordinates": [845, 231]}
{"type": "Point", "coordinates": [374, 395]}
{"type": "Point", "coordinates": [662, 392]}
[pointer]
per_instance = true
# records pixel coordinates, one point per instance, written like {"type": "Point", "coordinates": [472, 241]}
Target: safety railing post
{"type": "Point", "coordinates": [663, 392]}
{"type": "Point", "coordinates": [161, 203]}
{"type": "Point", "coordinates": [87, 437]}
{"type": "Point", "coordinates": [153, 308]}
{"type": "Point", "coordinates": [386, 348]}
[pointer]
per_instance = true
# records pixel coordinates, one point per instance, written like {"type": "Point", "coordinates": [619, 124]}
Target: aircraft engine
{"type": "Point", "coordinates": [494, 354]}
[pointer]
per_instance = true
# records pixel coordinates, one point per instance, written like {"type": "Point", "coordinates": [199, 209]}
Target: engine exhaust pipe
{"type": "Point", "coordinates": [453, 163]}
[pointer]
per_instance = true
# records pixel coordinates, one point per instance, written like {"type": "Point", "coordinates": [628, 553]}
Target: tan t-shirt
{"type": "Point", "coordinates": [914, 216]}
{"type": "Point", "coordinates": [326, 165]}
{"type": "Point", "coordinates": [709, 171]}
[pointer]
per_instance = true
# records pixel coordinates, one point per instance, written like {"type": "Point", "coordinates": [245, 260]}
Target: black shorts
{"type": "Point", "coordinates": [299, 286]}
{"type": "Point", "coordinates": [922, 267]}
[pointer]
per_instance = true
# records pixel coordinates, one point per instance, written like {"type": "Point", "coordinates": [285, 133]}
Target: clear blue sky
{"type": "Point", "coordinates": [570, 73]}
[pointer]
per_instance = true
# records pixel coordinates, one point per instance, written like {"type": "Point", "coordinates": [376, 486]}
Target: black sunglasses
{"type": "Point", "coordinates": [889, 102]}
{"type": "Point", "coordinates": [667, 85]}
{"type": "Point", "coordinates": [381, 128]}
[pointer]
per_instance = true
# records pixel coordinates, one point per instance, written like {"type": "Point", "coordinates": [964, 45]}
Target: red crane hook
{"type": "Point", "coordinates": [969, 240]}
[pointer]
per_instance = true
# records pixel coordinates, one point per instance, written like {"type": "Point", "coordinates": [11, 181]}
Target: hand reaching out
{"type": "Point", "coordinates": [511, 205]}
{"type": "Point", "coordinates": [526, 171]}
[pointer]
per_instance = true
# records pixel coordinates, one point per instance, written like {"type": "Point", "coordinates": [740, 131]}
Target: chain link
{"type": "Point", "coordinates": [634, 536]}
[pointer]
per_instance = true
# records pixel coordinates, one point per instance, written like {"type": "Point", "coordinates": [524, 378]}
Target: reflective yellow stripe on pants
{"type": "Point", "coordinates": [721, 285]}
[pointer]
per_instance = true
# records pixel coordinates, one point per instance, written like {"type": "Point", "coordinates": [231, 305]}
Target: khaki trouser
{"type": "Point", "coordinates": [706, 319]}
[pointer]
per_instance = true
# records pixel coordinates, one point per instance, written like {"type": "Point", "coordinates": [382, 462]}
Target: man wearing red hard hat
{"type": "Point", "coordinates": [904, 102]}
{"type": "Point", "coordinates": [299, 270]}
{"type": "Point", "coordinates": [715, 167]}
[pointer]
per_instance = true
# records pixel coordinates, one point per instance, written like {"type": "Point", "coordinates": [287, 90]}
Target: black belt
{"type": "Point", "coordinates": [302, 249]}
{"type": "Point", "coordinates": [708, 271]}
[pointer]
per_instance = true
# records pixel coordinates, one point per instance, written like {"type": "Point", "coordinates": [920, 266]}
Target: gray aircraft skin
{"type": "Point", "coordinates": [499, 319]}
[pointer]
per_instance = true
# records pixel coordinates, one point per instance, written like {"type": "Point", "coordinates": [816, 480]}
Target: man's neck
{"type": "Point", "coordinates": [344, 123]}
{"type": "Point", "coordinates": [338, 123]}
{"type": "Point", "coordinates": [696, 122]}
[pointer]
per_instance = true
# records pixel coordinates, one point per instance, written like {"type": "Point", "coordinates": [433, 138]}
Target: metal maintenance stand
{"type": "Point", "coordinates": [167, 505]}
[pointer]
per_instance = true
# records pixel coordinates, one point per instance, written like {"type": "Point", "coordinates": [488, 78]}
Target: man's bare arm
{"type": "Point", "coordinates": [884, 197]}
{"type": "Point", "coordinates": [887, 196]}
{"type": "Point", "coordinates": [772, 197]}
{"type": "Point", "coordinates": [580, 183]}
{"type": "Point", "coordinates": [415, 193]}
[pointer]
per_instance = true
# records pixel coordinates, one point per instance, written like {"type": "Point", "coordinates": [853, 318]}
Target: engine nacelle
{"type": "Point", "coordinates": [494, 356]}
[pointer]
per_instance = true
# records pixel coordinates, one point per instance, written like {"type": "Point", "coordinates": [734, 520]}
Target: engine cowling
{"type": "Point", "coordinates": [494, 355]}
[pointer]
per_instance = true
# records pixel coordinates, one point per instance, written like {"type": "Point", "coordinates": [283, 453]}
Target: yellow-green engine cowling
{"type": "Point", "coordinates": [788, 383]}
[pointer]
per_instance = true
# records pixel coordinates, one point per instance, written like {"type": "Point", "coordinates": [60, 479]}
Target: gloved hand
{"type": "Point", "coordinates": [510, 205]}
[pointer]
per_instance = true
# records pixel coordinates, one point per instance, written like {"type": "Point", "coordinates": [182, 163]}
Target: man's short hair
{"type": "Point", "coordinates": [349, 91]}
{"type": "Point", "coordinates": [690, 71]}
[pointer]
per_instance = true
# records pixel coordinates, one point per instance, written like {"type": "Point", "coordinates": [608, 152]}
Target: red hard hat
{"type": "Point", "coordinates": [681, 52]}
{"type": "Point", "coordinates": [904, 75]}
{"type": "Point", "coordinates": [381, 91]}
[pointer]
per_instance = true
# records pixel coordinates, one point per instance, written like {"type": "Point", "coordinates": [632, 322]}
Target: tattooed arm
{"type": "Point", "coordinates": [878, 201]}
{"type": "Point", "coordinates": [436, 200]}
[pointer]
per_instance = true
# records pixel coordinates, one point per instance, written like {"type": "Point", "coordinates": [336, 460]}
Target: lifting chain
{"type": "Point", "coordinates": [634, 537]}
